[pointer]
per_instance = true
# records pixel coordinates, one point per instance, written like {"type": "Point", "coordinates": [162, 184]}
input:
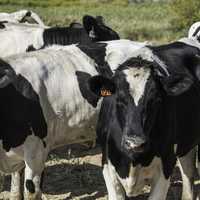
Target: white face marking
{"type": "Point", "coordinates": [137, 79]}
{"type": "Point", "coordinates": [118, 51]}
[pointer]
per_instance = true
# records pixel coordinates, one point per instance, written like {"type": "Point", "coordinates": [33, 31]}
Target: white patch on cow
{"type": "Point", "coordinates": [191, 42]}
{"type": "Point", "coordinates": [160, 185]}
{"type": "Point", "coordinates": [118, 51]}
{"type": "Point", "coordinates": [51, 72]}
{"type": "Point", "coordinates": [92, 33]}
{"type": "Point", "coordinates": [115, 191]}
{"type": "Point", "coordinates": [137, 79]}
{"type": "Point", "coordinates": [175, 148]}
{"type": "Point", "coordinates": [186, 192]}
{"type": "Point", "coordinates": [145, 53]}
{"type": "Point", "coordinates": [15, 192]}
{"type": "Point", "coordinates": [16, 38]}
{"type": "Point", "coordinates": [187, 166]}
{"type": "Point", "coordinates": [137, 179]}
{"type": "Point", "coordinates": [17, 16]}
{"type": "Point", "coordinates": [192, 30]}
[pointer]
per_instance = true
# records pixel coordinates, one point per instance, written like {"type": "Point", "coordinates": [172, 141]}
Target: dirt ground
{"type": "Point", "coordinates": [75, 174]}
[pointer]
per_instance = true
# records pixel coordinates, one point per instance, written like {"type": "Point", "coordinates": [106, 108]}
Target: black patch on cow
{"type": "Point", "coordinates": [65, 36]}
{"type": "Point", "coordinates": [41, 180]}
{"type": "Point", "coordinates": [137, 62]}
{"type": "Point", "coordinates": [196, 31]}
{"type": "Point", "coordinates": [24, 19]}
{"type": "Point", "coordinates": [30, 186]}
{"type": "Point", "coordinates": [83, 81]}
{"type": "Point", "coordinates": [2, 26]}
{"type": "Point", "coordinates": [44, 144]}
{"type": "Point", "coordinates": [96, 51]}
{"type": "Point", "coordinates": [31, 48]}
{"type": "Point", "coordinates": [28, 14]}
{"type": "Point", "coordinates": [21, 113]}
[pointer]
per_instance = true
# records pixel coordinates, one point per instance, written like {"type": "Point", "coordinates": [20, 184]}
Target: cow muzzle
{"type": "Point", "coordinates": [134, 144]}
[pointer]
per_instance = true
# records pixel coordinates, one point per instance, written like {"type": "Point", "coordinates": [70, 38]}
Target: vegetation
{"type": "Point", "coordinates": [185, 13]}
{"type": "Point", "coordinates": [145, 21]}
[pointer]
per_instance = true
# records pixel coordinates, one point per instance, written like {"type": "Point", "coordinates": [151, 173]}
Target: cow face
{"type": "Point", "coordinates": [132, 99]}
{"type": "Point", "coordinates": [97, 30]}
{"type": "Point", "coordinates": [126, 107]}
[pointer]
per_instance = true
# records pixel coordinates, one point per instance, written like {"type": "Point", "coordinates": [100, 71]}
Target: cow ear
{"type": "Point", "coordinates": [90, 24]}
{"type": "Point", "coordinates": [92, 88]}
{"type": "Point", "coordinates": [83, 81]}
{"type": "Point", "coordinates": [102, 86]}
{"type": "Point", "coordinates": [175, 80]}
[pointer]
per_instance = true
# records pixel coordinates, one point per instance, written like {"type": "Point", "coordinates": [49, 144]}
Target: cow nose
{"type": "Point", "coordinates": [135, 144]}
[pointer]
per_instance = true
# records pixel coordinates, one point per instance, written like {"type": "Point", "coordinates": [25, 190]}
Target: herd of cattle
{"type": "Point", "coordinates": [58, 82]}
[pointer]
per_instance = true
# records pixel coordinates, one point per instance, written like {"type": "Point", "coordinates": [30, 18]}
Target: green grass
{"type": "Point", "coordinates": [146, 21]}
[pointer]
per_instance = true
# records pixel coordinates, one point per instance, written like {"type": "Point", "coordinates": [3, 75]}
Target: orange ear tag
{"type": "Point", "coordinates": [105, 93]}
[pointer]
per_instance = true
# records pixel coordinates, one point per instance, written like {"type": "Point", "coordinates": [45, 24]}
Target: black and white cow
{"type": "Point", "coordinates": [43, 104]}
{"type": "Point", "coordinates": [21, 17]}
{"type": "Point", "coordinates": [149, 118]}
{"type": "Point", "coordinates": [26, 37]}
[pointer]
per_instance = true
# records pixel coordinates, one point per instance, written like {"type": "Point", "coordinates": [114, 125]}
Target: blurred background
{"type": "Point", "coordinates": [158, 21]}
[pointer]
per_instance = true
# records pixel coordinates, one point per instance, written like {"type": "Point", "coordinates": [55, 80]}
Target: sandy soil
{"type": "Point", "coordinates": [75, 174]}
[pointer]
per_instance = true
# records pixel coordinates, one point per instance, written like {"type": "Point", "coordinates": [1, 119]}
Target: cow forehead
{"type": "Point", "coordinates": [137, 79]}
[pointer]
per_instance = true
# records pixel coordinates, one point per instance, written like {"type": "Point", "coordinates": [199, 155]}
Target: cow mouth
{"type": "Point", "coordinates": [132, 146]}
{"type": "Point", "coordinates": [139, 149]}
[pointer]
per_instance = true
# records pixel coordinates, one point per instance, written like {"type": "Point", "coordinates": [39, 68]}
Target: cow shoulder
{"type": "Point", "coordinates": [96, 51]}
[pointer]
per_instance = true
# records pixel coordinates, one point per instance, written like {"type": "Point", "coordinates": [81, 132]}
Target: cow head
{"type": "Point", "coordinates": [97, 30]}
{"type": "Point", "coordinates": [194, 31]}
{"type": "Point", "coordinates": [132, 98]}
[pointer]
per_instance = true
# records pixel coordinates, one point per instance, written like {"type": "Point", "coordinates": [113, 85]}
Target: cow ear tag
{"type": "Point", "coordinates": [105, 93]}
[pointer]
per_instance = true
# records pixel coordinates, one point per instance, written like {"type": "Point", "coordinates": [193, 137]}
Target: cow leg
{"type": "Point", "coordinates": [35, 155]}
{"type": "Point", "coordinates": [115, 190]}
{"type": "Point", "coordinates": [15, 192]}
{"type": "Point", "coordinates": [2, 177]}
{"type": "Point", "coordinates": [187, 168]}
{"type": "Point", "coordinates": [159, 186]}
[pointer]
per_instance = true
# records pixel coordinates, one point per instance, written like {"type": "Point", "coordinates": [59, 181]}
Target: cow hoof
{"type": "Point", "coordinates": [15, 196]}
{"type": "Point", "coordinates": [31, 196]}
{"type": "Point", "coordinates": [1, 182]}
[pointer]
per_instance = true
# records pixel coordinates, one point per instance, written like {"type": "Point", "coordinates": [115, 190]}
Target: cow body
{"type": "Point", "coordinates": [20, 17]}
{"type": "Point", "coordinates": [145, 123]}
{"type": "Point", "coordinates": [28, 37]}
{"type": "Point", "coordinates": [43, 93]}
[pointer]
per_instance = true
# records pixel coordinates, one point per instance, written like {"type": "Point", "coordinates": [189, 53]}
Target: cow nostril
{"type": "Point", "coordinates": [139, 148]}
{"type": "Point", "coordinates": [134, 144]}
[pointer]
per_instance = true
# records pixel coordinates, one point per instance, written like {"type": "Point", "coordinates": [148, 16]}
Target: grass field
{"type": "Point", "coordinates": [146, 21]}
